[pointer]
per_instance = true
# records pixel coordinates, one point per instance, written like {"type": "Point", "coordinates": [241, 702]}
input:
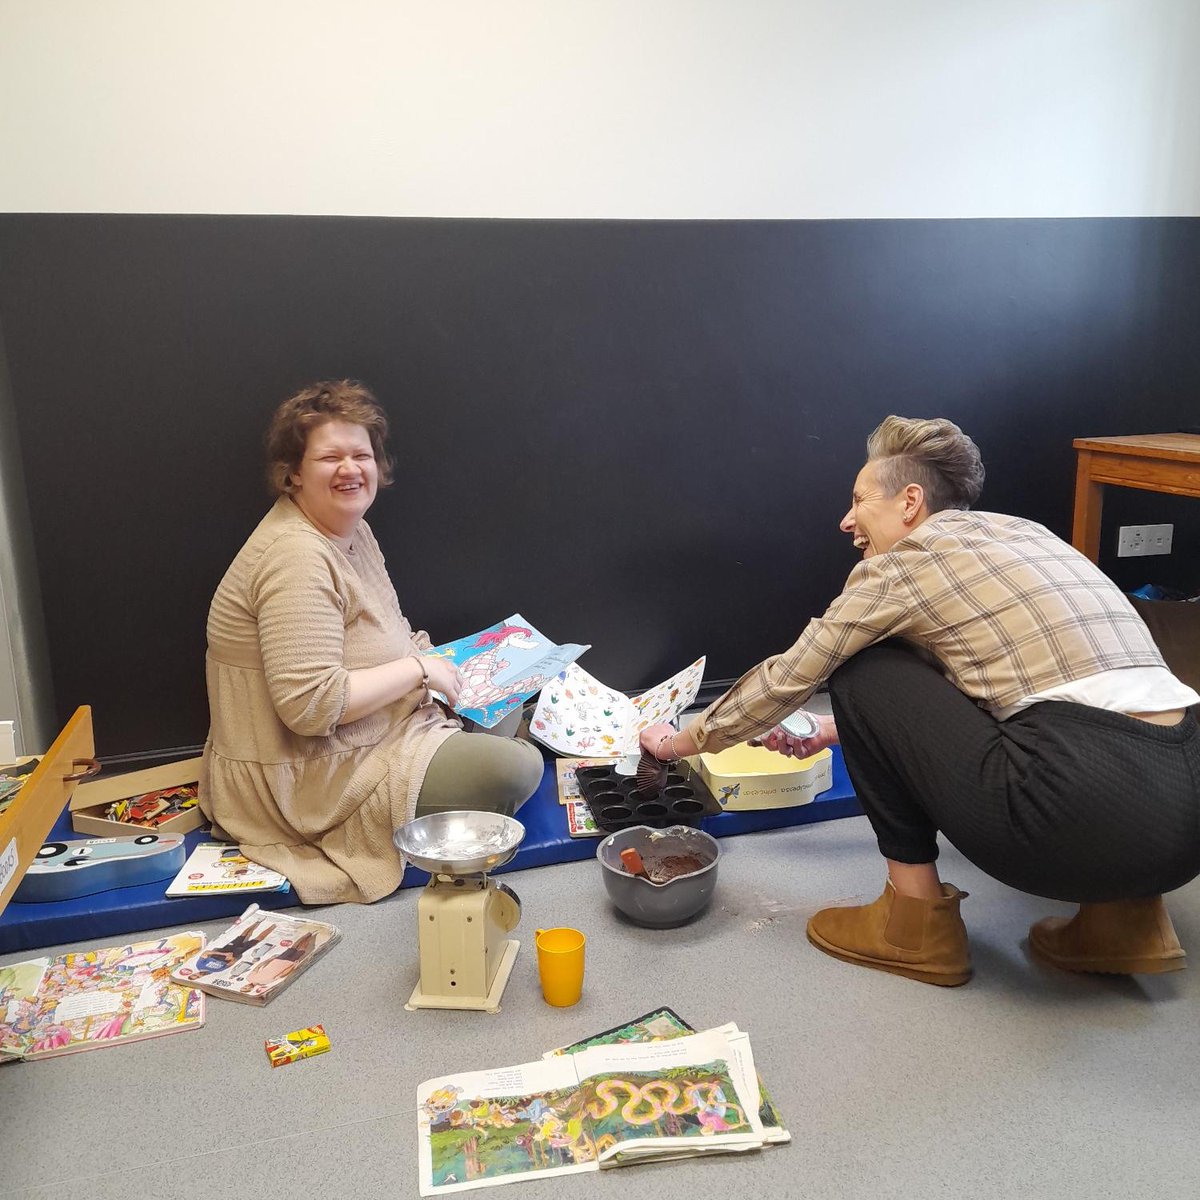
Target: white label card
{"type": "Point", "coordinates": [8, 863]}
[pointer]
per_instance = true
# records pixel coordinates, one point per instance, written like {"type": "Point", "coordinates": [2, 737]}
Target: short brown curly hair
{"type": "Point", "coordinates": [314, 405]}
{"type": "Point", "coordinates": [934, 453]}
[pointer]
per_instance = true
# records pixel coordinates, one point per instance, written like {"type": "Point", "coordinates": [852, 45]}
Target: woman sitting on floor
{"type": "Point", "coordinates": [989, 682]}
{"type": "Point", "coordinates": [325, 735]}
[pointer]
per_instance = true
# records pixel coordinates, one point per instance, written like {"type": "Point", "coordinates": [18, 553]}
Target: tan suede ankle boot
{"type": "Point", "coordinates": [1123, 937]}
{"type": "Point", "coordinates": [920, 939]}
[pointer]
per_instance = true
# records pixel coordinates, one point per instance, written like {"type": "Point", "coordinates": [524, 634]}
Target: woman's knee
{"type": "Point", "coordinates": [519, 773]}
{"type": "Point", "coordinates": [509, 773]}
{"type": "Point", "coordinates": [870, 664]}
{"type": "Point", "coordinates": [480, 771]}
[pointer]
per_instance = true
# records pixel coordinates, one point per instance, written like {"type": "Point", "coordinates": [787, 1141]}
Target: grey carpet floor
{"type": "Point", "coordinates": [1025, 1083]}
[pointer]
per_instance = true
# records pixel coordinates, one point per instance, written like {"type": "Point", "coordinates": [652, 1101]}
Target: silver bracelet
{"type": "Point", "coordinates": [424, 679]}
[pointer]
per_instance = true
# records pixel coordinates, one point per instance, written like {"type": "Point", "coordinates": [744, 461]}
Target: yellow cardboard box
{"type": "Point", "coordinates": [751, 777]}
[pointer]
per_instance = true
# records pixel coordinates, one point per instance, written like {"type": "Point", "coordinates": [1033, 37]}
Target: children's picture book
{"type": "Point", "coordinates": [578, 715]}
{"type": "Point", "coordinates": [604, 1106]}
{"type": "Point", "coordinates": [257, 956]}
{"type": "Point", "coordinates": [566, 775]}
{"type": "Point", "coordinates": [656, 1026]}
{"type": "Point", "coordinates": [580, 822]}
{"type": "Point", "coordinates": [660, 1025]}
{"type": "Point", "coordinates": [503, 666]}
{"type": "Point", "coordinates": [19, 984]}
{"type": "Point", "coordinates": [11, 780]}
{"type": "Point", "coordinates": [87, 999]}
{"type": "Point", "coordinates": [213, 868]}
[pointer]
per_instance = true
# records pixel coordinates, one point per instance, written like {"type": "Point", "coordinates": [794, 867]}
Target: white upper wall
{"type": "Point", "coordinates": [602, 108]}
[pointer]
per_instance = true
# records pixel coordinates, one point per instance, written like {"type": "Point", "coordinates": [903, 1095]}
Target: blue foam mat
{"type": "Point", "coordinates": [85, 919]}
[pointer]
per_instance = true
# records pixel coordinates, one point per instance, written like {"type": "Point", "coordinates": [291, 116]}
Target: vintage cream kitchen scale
{"type": "Point", "coordinates": [463, 915]}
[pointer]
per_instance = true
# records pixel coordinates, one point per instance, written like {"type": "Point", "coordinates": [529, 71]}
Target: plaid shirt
{"type": "Point", "coordinates": [1005, 608]}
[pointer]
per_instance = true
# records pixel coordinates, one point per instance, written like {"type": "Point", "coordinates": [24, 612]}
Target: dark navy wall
{"type": "Point", "coordinates": [638, 434]}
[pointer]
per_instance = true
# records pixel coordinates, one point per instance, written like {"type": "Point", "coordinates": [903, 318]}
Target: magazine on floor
{"type": "Point", "coordinates": [214, 868]}
{"type": "Point", "coordinates": [258, 956]}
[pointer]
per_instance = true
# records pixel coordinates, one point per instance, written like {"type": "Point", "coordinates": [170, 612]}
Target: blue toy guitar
{"type": "Point", "coordinates": [63, 870]}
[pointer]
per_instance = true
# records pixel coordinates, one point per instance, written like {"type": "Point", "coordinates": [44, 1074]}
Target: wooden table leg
{"type": "Point", "coordinates": [1089, 506]}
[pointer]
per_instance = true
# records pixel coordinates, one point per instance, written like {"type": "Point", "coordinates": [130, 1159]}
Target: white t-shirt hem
{"type": "Point", "coordinates": [1124, 690]}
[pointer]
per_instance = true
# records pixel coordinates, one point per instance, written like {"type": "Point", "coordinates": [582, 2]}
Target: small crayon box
{"type": "Point", "coordinates": [300, 1043]}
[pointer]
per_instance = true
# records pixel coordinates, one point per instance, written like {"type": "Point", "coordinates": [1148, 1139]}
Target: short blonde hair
{"type": "Point", "coordinates": [318, 404]}
{"type": "Point", "coordinates": [935, 454]}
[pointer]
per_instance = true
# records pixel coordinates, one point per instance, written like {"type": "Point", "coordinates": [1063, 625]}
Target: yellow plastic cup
{"type": "Point", "coordinates": [560, 965]}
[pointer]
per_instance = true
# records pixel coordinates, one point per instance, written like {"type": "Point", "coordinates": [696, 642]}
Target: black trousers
{"type": "Point", "coordinates": [1061, 800]}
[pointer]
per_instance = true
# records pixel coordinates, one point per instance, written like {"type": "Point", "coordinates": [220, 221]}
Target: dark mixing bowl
{"type": "Point", "coordinates": [660, 905]}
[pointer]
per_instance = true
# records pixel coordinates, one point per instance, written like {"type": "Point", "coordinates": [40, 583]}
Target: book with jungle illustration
{"type": "Point", "coordinates": [257, 956]}
{"type": "Point", "coordinates": [579, 716]}
{"type": "Point", "coordinates": [502, 666]}
{"type": "Point", "coordinates": [661, 1025]}
{"type": "Point", "coordinates": [604, 1106]}
{"type": "Point", "coordinates": [88, 999]}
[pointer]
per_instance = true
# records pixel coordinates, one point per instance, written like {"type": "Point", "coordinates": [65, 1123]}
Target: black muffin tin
{"type": "Point", "coordinates": [616, 802]}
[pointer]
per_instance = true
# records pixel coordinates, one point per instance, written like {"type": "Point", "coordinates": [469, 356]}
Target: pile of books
{"type": "Point", "coordinates": [111, 995]}
{"type": "Point", "coordinates": [652, 1089]}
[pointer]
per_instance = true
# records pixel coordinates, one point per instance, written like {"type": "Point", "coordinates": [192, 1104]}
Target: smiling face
{"type": "Point", "coordinates": [337, 479]}
{"type": "Point", "coordinates": [878, 521]}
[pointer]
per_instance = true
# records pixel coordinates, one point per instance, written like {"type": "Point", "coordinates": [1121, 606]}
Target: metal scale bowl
{"type": "Point", "coordinates": [462, 915]}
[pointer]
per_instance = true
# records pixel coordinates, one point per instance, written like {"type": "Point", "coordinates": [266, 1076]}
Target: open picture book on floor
{"type": "Point", "coordinates": [605, 1105]}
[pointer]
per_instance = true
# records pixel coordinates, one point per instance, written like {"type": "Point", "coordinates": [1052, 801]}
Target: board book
{"type": "Point", "coordinates": [84, 866]}
{"type": "Point", "coordinates": [87, 999]}
{"type": "Point", "coordinates": [605, 1105]}
{"type": "Point", "coordinates": [214, 868]}
{"type": "Point", "coordinates": [257, 956]}
{"type": "Point", "coordinates": [580, 822]}
{"type": "Point", "coordinates": [579, 716]}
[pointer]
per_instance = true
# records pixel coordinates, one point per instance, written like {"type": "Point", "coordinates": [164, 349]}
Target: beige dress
{"type": "Point", "coordinates": [298, 792]}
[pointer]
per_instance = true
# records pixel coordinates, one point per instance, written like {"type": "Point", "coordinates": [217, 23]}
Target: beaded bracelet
{"type": "Point", "coordinates": [666, 737]}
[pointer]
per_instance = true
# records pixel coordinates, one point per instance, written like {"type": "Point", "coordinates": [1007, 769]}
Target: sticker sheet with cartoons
{"type": "Point", "coordinates": [579, 716]}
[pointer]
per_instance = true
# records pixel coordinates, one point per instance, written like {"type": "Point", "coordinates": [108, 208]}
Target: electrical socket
{"type": "Point", "coordinates": [1134, 541]}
